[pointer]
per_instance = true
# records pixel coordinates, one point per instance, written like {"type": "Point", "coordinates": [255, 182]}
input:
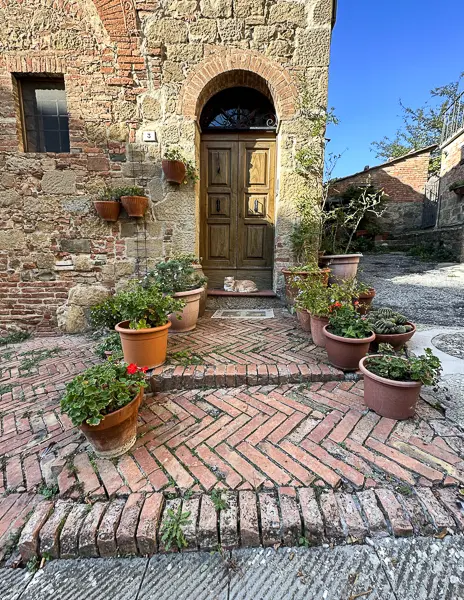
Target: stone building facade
{"type": "Point", "coordinates": [404, 180]}
{"type": "Point", "coordinates": [130, 67]}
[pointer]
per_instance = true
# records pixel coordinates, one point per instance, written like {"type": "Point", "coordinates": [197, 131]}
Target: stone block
{"type": "Point", "coordinates": [216, 8]}
{"type": "Point", "coordinates": [75, 245]}
{"type": "Point", "coordinates": [292, 13]}
{"type": "Point", "coordinates": [71, 318]}
{"type": "Point", "coordinates": [50, 533]}
{"type": "Point", "coordinates": [203, 31]}
{"type": "Point", "coordinates": [207, 525]}
{"type": "Point", "coordinates": [69, 537]}
{"type": "Point", "coordinates": [154, 248]}
{"type": "Point", "coordinates": [329, 508]}
{"type": "Point", "coordinates": [82, 262]}
{"type": "Point", "coordinates": [291, 521]}
{"type": "Point", "coordinates": [312, 47]}
{"type": "Point", "coordinates": [166, 30]}
{"type": "Point", "coordinates": [151, 108]}
{"type": "Point", "coordinates": [270, 519]}
{"type": "Point", "coordinates": [10, 198]}
{"type": "Point", "coordinates": [125, 534]}
{"type": "Point", "coordinates": [230, 30]}
{"type": "Point", "coordinates": [148, 524]}
{"type": "Point", "coordinates": [322, 14]}
{"type": "Point", "coordinates": [88, 535]}
{"type": "Point", "coordinates": [172, 72]}
{"type": "Point", "coordinates": [59, 182]}
{"type": "Point", "coordinates": [29, 539]}
{"type": "Point", "coordinates": [87, 295]}
{"type": "Point", "coordinates": [312, 518]}
{"type": "Point", "coordinates": [190, 53]}
{"type": "Point", "coordinates": [12, 239]}
{"type": "Point", "coordinates": [249, 529]}
{"type": "Point", "coordinates": [106, 537]}
{"type": "Point", "coordinates": [248, 8]}
{"type": "Point", "coordinates": [79, 205]}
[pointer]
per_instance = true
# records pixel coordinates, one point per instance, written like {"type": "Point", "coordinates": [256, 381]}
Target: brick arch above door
{"type": "Point", "coordinates": [233, 68]}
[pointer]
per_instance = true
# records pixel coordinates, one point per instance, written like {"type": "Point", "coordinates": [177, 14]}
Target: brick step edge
{"type": "Point", "coordinates": [163, 379]}
{"type": "Point", "coordinates": [284, 516]}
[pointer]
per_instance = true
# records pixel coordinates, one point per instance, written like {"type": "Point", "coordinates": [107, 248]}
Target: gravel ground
{"type": "Point", "coordinates": [427, 293]}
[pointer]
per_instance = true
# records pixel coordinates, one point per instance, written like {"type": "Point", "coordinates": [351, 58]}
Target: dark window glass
{"type": "Point", "coordinates": [46, 120]}
{"type": "Point", "coordinates": [238, 108]}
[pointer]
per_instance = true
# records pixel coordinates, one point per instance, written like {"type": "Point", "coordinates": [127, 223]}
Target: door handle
{"type": "Point", "coordinates": [256, 206]}
{"type": "Point", "coordinates": [218, 205]}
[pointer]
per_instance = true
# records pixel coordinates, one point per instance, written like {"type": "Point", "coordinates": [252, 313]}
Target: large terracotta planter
{"type": "Point", "coordinates": [174, 170]}
{"type": "Point", "coordinates": [345, 353]}
{"type": "Point", "coordinates": [342, 266]}
{"type": "Point", "coordinates": [144, 347]}
{"type": "Point", "coordinates": [135, 206]}
{"type": "Point", "coordinates": [189, 314]}
{"type": "Point", "coordinates": [388, 398]}
{"type": "Point", "coordinates": [291, 290]}
{"type": "Point", "coordinates": [304, 318]}
{"type": "Point", "coordinates": [365, 301]}
{"type": "Point", "coordinates": [204, 293]}
{"type": "Point", "coordinates": [397, 340]}
{"type": "Point", "coordinates": [107, 209]}
{"type": "Point", "coordinates": [317, 330]}
{"type": "Point", "coordinates": [117, 432]}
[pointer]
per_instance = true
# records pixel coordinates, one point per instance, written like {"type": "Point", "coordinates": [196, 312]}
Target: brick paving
{"type": "Point", "coordinates": [304, 454]}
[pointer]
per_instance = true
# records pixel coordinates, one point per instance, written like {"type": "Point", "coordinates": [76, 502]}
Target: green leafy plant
{"type": "Point", "coordinates": [433, 253]}
{"type": "Point", "coordinates": [106, 314]}
{"type": "Point", "coordinates": [101, 390]}
{"type": "Point", "coordinates": [145, 305]}
{"type": "Point", "coordinates": [425, 368]}
{"type": "Point", "coordinates": [14, 337]}
{"type": "Point", "coordinates": [111, 343]}
{"type": "Point", "coordinates": [318, 299]}
{"type": "Point", "coordinates": [217, 498]}
{"type": "Point", "coordinates": [48, 491]}
{"type": "Point", "coordinates": [133, 190]}
{"type": "Point", "coordinates": [35, 357]}
{"type": "Point", "coordinates": [171, 529]}
{"type": "Point", "coordinates": [190, 170]}
{"type": "Point", "coordinates": [108, 194]}
{"type": "Point", "coordinates": [387, 322]}
{"type": "Point", "coordinates": [187, 257]}
{"type": "Point", "coordinates": [345, 322]}
{"type": "Point", "coordinates": [176, 275]}
{"type": "Point", "coordinates": [456, 185]}
{"type": "Point", "coordinates": [185, 358]}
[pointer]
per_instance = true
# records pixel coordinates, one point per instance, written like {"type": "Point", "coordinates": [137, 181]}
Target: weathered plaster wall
{"type": "Point", "coordinates": [452, 170]}
{"type": "Point", "coordinates": [403, 180]}
{"type": "Point", "coordinates": [128, 69]}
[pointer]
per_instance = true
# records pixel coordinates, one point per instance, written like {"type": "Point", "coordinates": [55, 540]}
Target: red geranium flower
{"type": "Point", "coordinates": [143, 369]}
{"type": "Point", "coordinates": [132, 369]}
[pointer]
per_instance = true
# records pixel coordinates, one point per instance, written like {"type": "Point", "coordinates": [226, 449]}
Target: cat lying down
{"type": "Point", "coordinates": [243, 286]}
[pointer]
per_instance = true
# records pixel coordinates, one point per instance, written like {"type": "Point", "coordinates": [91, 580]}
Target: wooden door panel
{"type": "Point", "coordinates": [219, 242]}
{"type": "Point", "coordinates": [256, 204]}
{"type": "Point", "coordinates": [219, 167]}
{"type": "Point", "coordinates": [218, 206]}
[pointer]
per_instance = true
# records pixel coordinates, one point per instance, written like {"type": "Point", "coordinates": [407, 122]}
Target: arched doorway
{"type": "Point", "coordinates": [237, 186]}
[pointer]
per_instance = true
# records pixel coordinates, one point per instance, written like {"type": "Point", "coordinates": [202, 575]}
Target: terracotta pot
{"type": "Point", "coordinates": [204, 293]}
{"type": "Point", "coordinates": [397, 340]}
{"type": "Point", "coordinates": [291, 291]}
{"type": "Point", "coordinates": [117, 432]}
{"type": "Point", "coordinates": [135, 206]}
{"type": "Point", "coordinates": [304, 317]}
{"type": "Point", "coordinates": [144, 347]}
{"type": "Point", "coordinates": [317, 330]}
{"type": "Point", "coordinates": [174, 170]}
{"type": "Point", "coordinates": [342, 266]}
{"type": "Point", "coordinates": [107, 209]}
{"type": "Point", "coordinates": [365, 301]}
{"type": "Point", "coordinates": [345, 353]}
{"type": "Point", "coordinates": [388, 398]}
{"type": "Point", "coordinates": [189, 314]}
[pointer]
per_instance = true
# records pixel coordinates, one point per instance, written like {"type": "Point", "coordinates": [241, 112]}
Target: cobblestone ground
{"type": "Point", "coordinates": [297, 457]}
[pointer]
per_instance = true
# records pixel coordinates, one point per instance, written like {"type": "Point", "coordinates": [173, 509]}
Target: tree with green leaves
{"type": "Point", "coordinates": [421, 126]}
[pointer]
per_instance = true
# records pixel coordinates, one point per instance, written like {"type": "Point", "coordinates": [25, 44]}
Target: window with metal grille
{"type": "Point", "coordinates": [44, 114]}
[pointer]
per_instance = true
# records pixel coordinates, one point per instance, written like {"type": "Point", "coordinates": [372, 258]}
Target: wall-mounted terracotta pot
{"type": "Point", "coordinates": [189, 314]}
{"type": "Point", "coordinates": [291, 291]}
{"type": "Point", "coordinates": [345, 353]}
{"type": "Point", "coordinates": [389, 398]}
{"type": "Point", "coordinates": [135, 206]}
{"type": "Point", "coordinates": [117, 432]}
{"type": "Point", "coordinates": [317, 330]}
{"type": "Point", "coordinates": [144, 347]}
{"type": "Point", "coordinates": [174, 170]}
{"type": "Point", "coordinates": [342, 266]}
{"type": "Point", "coordinates": [108, 210]}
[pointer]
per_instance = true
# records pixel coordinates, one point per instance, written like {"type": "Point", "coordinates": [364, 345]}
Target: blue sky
{"type": "Point", "coordinates": [383, 51]}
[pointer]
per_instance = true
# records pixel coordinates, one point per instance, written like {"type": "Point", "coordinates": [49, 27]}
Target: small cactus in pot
{"type": "Point", "coordinates": [390, 327]}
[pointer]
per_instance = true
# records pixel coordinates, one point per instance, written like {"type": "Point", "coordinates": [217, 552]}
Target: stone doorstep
{"type": "Point", "coordinates": [283, 516]}
{"type": "Point", "coordinates": [167, 378]}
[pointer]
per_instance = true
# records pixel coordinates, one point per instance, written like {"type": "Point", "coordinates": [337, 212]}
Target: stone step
{"type": "Point", "coordinates": [219, 299]}
{"type": "Point", "coordinates": [136, 525]}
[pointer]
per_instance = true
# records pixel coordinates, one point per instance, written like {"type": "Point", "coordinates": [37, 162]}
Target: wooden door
{"type": "Point", "coordinates": [237, 207]}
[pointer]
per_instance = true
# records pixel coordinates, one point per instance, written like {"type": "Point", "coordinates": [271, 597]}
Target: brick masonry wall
{"type": "Point", "coordinates": [129, 68]}
{"type": "Point", "coordinates": [403, 180]}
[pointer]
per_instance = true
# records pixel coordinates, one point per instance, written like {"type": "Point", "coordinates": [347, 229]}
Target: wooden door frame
{"type": "Point", "coordinates": [239, 136]}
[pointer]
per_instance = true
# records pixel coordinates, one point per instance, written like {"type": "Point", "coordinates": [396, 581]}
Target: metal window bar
{"type": "Point", "coordinates": [454, 119]}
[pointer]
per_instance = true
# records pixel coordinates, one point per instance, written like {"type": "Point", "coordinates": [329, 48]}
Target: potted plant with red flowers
{"type": "Point", "coordinates": [348, 336]}
{"type": "Point", "coordinates": [107, 204]}
{"type": "Point", "coordinates": [176, 168]}
{"type": "Point", "coordinates": [134, 200]}
{"type": "Point", "coordinates": [103, 402]}
{"type": "Point", "coordinates": [392, 383]}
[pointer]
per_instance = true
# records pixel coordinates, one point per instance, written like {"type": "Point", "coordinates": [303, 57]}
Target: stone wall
{"type": "Point", "coordinates": [451, 211]}
{"type": "Point", "coordinates": [403, 180]}
{"type": "Point", "coordinates": [130, 68]}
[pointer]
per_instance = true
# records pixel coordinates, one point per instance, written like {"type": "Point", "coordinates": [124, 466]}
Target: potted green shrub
{"type": "Point", "coordinates": [134, 200]}
{"type": "Point", "coordinates": [196, 264]}
{"type": "Point", "coordinates": [390, 327]}
{"type": "Point", "coordinates": [348, 335]}
{"type": "Point", "coordinates": [142, 312]}
{"type": "Point", "coordinates": [103, 402]}
{"type": "Point", "coordinates": [179, 278]}
{"type": "Point", "coordinates": [176, 168]}
{"type": "Point", "coordinates": [107, 204]}
{"type": "Point", "coordinates": [392, 383]}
